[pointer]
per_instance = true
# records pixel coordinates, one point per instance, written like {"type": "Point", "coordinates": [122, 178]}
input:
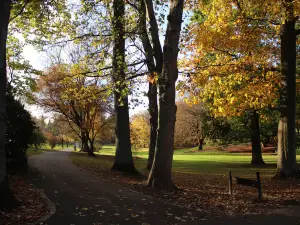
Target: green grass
{"type": "Point", "coordinates": [207, 162]}
{"type": "Point", "coordinates": [33, 151]}
{"type": "Point", "coordinates": [47, 147]}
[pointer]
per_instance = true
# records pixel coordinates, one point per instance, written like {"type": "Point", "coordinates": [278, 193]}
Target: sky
{"type": "Point", "coordinates": [36, 60]}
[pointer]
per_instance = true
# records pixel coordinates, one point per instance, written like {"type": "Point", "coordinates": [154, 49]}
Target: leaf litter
{"type": "Point", "coordinates": [32, 205]}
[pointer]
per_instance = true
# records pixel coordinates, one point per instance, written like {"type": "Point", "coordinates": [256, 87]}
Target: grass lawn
{"type": "Point", "coordinates": [203, 176]}
{"type": "Point", "coordinates": [207, 162]}
{"type": "Point", "coordinates": [33, 151]}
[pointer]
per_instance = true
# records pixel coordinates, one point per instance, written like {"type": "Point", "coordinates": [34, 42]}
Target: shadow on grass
{"type": "Point", "coordinates": [187, 166]}
{"type": "Point", "coordinates": [222, 168]}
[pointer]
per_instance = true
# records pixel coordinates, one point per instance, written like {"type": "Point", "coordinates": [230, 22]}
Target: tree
{"type": "Point", "coordinates": [189, 126]}
{"type": "Point", "coordinates": [19, 131]}
{"type": "Point", "coordinates": [52, 140]}
{"type": "Point", "coordinates": [64, 130]}
{"type": "Point", "coordinates": [194, 125]}
{"type": "Point", "coordinates": [107, 134]}
{"type": "Point", "coordinates": [6, 197]}
{"type": "Point", "coordinates": [287, 163]}
{"type": "Point", "coordinates": [20, 73]}
{"type": "Point", "coordinates": [154, 59]}
{"type": "Point", "coordinates": [139, 130]}
{"type": "Point", "coordinates": [234, 65]}
{"type": "Point", "coordinates": [80, 100]}
{"type": "Point", "coordinates": [11, 11]}
{"type": "Point", "coordinates": [161, 172]}
{"type": "Point", "coordinates": [123, 157]}
{"type": "Point", "coordinates": [283, 14]}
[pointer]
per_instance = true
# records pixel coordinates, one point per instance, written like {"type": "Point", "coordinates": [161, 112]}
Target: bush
{"type": "Point", "coordinates": [37, 138]}
{"type": "Point", "coordinates": [20, 127]}
{"type": "Point", "coordinates": [52, 140]}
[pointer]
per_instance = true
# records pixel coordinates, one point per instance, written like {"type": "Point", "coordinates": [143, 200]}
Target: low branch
{"type": "Point", "coordinates": [109, 67]}
{"type": "Point", "coordinates": [20, 12]}
{"type": "Point", "coordinates": [137, 75]}
{"type": "Point", "coordinates": [226, 52]}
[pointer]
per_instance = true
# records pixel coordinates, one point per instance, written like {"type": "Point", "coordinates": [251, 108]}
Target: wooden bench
{"type": "Point", "coordinates": [246, 182]}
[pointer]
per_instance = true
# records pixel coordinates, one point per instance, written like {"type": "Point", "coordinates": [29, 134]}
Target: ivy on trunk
{"type": "Point", "coordinates": [123, 157]}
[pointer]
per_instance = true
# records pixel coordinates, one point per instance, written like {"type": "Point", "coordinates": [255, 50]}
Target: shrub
{"type": "Point", "coordinates": [52, 140]}
{"type": "Point", "coordinates": [20, 127]}
{"type": "Point", "coordinates": [37, 138]}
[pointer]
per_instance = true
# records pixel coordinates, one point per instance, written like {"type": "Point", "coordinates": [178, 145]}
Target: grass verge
{"type": "Point", "coordinates": [33, 151]}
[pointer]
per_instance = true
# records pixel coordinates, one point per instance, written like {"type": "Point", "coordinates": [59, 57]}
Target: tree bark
{"type": "Point", "coordinates": [287, 164]}
{"type": "Point", "coordinates": [84, 145]}
{"type": "Point", "coordinates": [91, 148]}
{"type": "Point", "coordinates": [6, 197]}
{"type": "Point", "coordinates": [161, 173]}
{"type": "Point", "coordinates": [200, 146]}
{"type": "Point", "coordinates": [123, 157]}
{"type": "Point", "coordinates": [255, 140]}
{"type": "Point", "coordinates": [153, 111]}
{"type": "Point", "coordinates": [152, 92]}
{"type": "Point", "coordinates": [158, 54]}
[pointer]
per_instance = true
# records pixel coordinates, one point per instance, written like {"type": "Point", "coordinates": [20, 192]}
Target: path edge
{"type": "Point", "coordinates": [50, 205]}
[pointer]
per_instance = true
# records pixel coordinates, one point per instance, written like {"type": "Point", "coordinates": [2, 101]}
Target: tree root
{"type": "Point", "coordinates": [280, 175]}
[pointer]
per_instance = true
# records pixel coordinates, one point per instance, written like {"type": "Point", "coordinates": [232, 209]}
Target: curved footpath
{"type": "Point", "coordinates": [81, 198]}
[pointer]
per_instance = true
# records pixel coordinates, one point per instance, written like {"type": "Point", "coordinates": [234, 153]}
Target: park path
{"type": "Point", "coordinates": [81, 198]}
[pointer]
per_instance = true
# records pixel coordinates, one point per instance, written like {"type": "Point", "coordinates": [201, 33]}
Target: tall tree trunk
{"type": "Point", "coordinates": [200, 145]}
{"type": "Point", "coordinates": [161, 173]}
{"type": "Point", "coordinates": [152, 92]}
{"type": "Point", "coordinates": [153, 112]}
{"type": "Point", "coordinates": [255, 139]}
{"type": "Point", "coordinates": [91, 148]}
{"type": "Point", "coordinates": [6, 197]}
{"type": "Point", "coordinates": [287, 164]}
{"type": "Point", "coordinates": [85, 145]}
{"type": "Point", "coordinates": [84, 142]}
{"type": "Point", "coordinates": [123, 158]}
{"type": "Point", "coordinates": [158, 56]}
